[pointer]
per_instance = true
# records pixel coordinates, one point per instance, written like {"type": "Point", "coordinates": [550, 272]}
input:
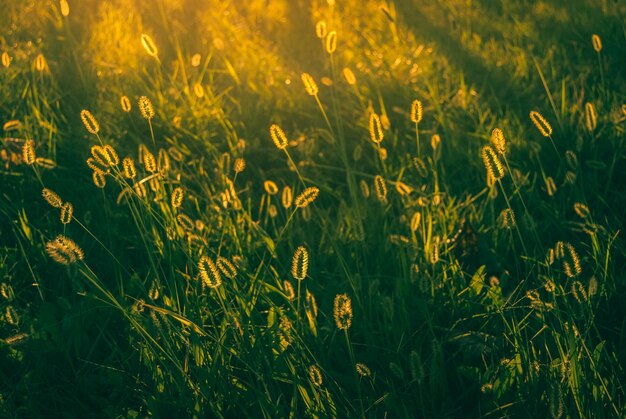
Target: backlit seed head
{"type": "Point", "coordinates": [226, 267]}
{"type": "Point", "coordinates": [149, 162]}
{"type": "Point", "coordinates": [365, 188]}
{"type": "Point", "coordinates": [40, 63]}
{"type": "Point", "coordinates": [434, 251]}
{"type": "Point", "coordinates": [273, 211]}
{"type": "Point", "coordinates": [492, 163]}
{"type": "Point", "coordinates": [597, 42]}
{"type": "Point", "coordinates": [64, 250]}
{"type": "Point", "coordinates": [331, 42]}
{"type": "Point", "coordinates": [300, 263]}
{"type": "Point", "coordinates": [278, 136]}
{"type": "Point", "coordinates": [403, 189]}
{"type": "Point", "coordinates": [289, 291]}
{"type": "Point", "coordinates": [540, 122]}
{"type": "Point", "coordinates": [590, 117]}
{"type": "Point", "coordinates": [315, 375]}
{"type": "Point", "coordinates": [45, 163]}
{"type": "Point", "coordinates": [287, 197]}
{"type": "Point", "coordinates": [310, 303]}
{"type": "Point", "coordinates": [284, 332]}
{"type": "Point", "coordinates": [185, 222]}
{"type": "Point", "coordinates": [11, 316]}
{"type": "Point", "coordinates": [376, 129]}
{"type": "Point", "coordinates": [507, 218]}
{"type": "Point", "coordinates": [270, 187]}
{"type": "Point", "coordinates": [28, 152]}
{"type": "Point", "coordinates": [435, 141]}
{"type": "Point", "coordinates": [195, 60]}
{"type": "Point", "coordinates": [498, 141]}
{"type": "Point", "coordinates": [571, 159]}
{"type": "Point", "coordinates": [163, 161]}
{"type": "Point", "coordinates": [6, 59]}
{"type": "Point", "coordinates": [89, 121]}
{"type": "Point", "coordinates": [98, 179]}
{"type": "Point", "coordinates": [420, 166]}
{"type": "Point", "coordinates": [99, 159]}
{"type": "Point", "coordinates": [309, 84]}
{"type": "Point", "coordinates": [307, 197]}
{"type": "Point", "coordinates": [240, 165]}
{"type": "Point", "coordinates": [177, 197]}
{"type": "Point", "coordinates": [111, 155]}
{"type": "Point", "coordinates": [97, 165]}
{"type": "Point", "coordinates": [149, 46]}
{"type": "Point", "coordinates": [320, 29]}
{"type": "Point", "coordinates": [416, 111]}
{"type": "Point", "coordinates": [128, 165]}
{"type": "Point", "coordinates": [209, 274]}
{"type": "Point", "coordinates": [65, 8]}
{"type": "Point", "coordinates": [349, 76]}
{"type": "Point", "coordinates": [67, 210]}
{"type": "Point", "coordinates": [153, 293]}
{"type": "Point", "coordinates": [415, 221]}
{"type": "Point", "coordinates": [363, 370]}
{"type": "Point", "coordinates": [125, 102]}
{"type": "Point", "coordinates": [52, 198]}
{"type": "Point", "coordinates": [146, 108]}
{"type": "Point", "coordinates": [571, 262]}
{"type": "Point", "coordinates": [343, 311]}
{"type": "Point", "coordinates": [198, 90]}
{"type": "Point", "coordinates": [581, 210]}
{"type": "Point", "coordinates": [381, 188]}
{"type": "Point", "coordinates": [12, 125]}
{"type": "Point", "coordinates": [550, 186]}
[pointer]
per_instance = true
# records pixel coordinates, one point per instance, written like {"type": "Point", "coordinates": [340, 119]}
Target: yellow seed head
{"type": "Point", "coordinates": [125, 102]}
{"type": "Point", "coordinates": [45, 163]}
{"type": "Point", "coordinates": [163, 162]}
{"type": "Point", "coordinates": [240, 165]}
{"type": "Point", "coordinates": [365, 188]}
{"type": "Point", "coordinates": [581, 210]}
{"type": "Point", "coordinates": [149, 46]}
{"type": "Point", "coordinates": [331, 42]}
{"type": "Point", "coordinates": [64, 250]}
{"type": "Point", "coordinates": [320, 29]}
{"type": "Point", "coordinates": [65, 8]}
{"type": "Point", "coordinates": [590, 117]}
{"type": "Point", "coordinates": [550, 186]}
{"type": "Point", "coordinates": [381, 188]}
{"type": "Point", "coordinates": [416, 111]}
{"type": "Point", "coordinates": [307, 197]}
{"type": "Point", "coordinates": [226, 267]}
{"type": "Point", "coordinates": [146, 108]}
{"type": "Point", "coordinates": [435, 141]}
{"type": "Point", "coordinates": [51, 198]}
{"type": "Point", "coordinates": [287, 197]}
{"type": "Point", "coordinates": [129, 168]}
{"type": "Point", "coordinates": [149, 162]}
{"type": "Point", "coordinates": [403, 189]}
{"type": "Point", "coordinates": [540, 122]}
{"type": "Point", "coordinates": [98, 165]}
{"type": "Point", "coordinates": [209, 274]}
{"type": "Point", "coordinates": [98, 179]}
{"type": "Point", "coordinates": [6, 59]}
{"type": "Point", "coordinates": [300, 263]}
{"type": "Point", "coordinates": [310, 303]}
{"type": "Point", "coordinates": [507, 218]}
{"type": "Point", "coordinates": [492, 163]}
{"type": "Point", "coordinates": [415, 221]}
{"type": "Point", "coordinates": [195, 60]}
{"type": "Point", "coordinates": [12, 125]}
{"type": "Point", "coordinates": [278, 136]}
{"type": "Point", "coordinates": [198, 90]}
{"type": "Point", "coordinates": [571, 262]}
{"type": "Point", "coordinates": [498, 141]}
{"type": "Point", "coordinates": [349, 76]}
{"type": "Point", "coordinates": [270, 187]}
{"type": "Point", "coordinates": [343, 311]}
{"type": "Point", "coordinates": [177, 197]}
{"type": "Point", "coordinates": [289, 291]}
{"type": "Point", "coordinates": [309, 84]}
{"type": "Point", "coordinates": [111, 155]}
{"type": "Point", "coordinates": [185, 222]}
{"type": "Point", "coordinates": [40, 63]}
{"type": "Point", "coordinates": [363, 370]}
{"type": "Point", "coordinates": [67, 211]}
{"type": "Point", "coordinates": [28, 152]}
{"type": "Point", "coordinates": [89, 121]}
{"type": "Point", "coordinates": [376, 129]}
{"type": "Point", "coordinates": [315, 375]}
{"type": "Point", "coordinates": [597, 42]}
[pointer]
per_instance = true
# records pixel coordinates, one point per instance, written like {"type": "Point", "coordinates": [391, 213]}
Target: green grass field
{"type": "Point", "coordinates": [310, 208]}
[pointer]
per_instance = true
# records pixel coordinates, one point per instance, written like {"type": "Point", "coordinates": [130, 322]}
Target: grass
{"type": "Point", "coordinates": [378, 260]}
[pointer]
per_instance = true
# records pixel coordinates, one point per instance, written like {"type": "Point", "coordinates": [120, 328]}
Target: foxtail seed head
{"type": "Point", "coordinates": [331, 42]}
{"type": "Point", "coordinates": [363, 370]}
{"type": "Point", "coordinates": [287, 197]}
{"type": "Point", "coordinates": [376, 129]}
{"type": "Point", "coordinates": [209, 274]}
{"type": "Point", "coordinates": [507, 218]}
{"type": "Point", "coordinates": [289, 291]}
{"type": "Point", "coordinates": [6, 59]}
{"type": "Point", "coordinates": [381, 188]}
{"type": "Point", "coordinates": [498, 141]}
{"type": "Point", "coordinates": [28, 152]}
{"type": "Point", "coordinates": [581, 210]}
{"type": "Point", "coordinates": [590, 117]}
{"type": "Point", "coordinates": [129, 168]}
{"type": "Point", "coordinates": [89, 121]}
{"type": "Point", "coordinates": [52, 198]}
{"type": "Point", "coordinates": [343, 311]}
{"type": "Point", "coordinates": [149, 162]}
{"type": "Point", "coordinates": [349, 76]}
{"type": "Point", "coordinates": [67, 210]}
{"type": "Point", "coordinates": [240, 165]}
{"type": "Point", "coordinates": [320, 29]}
{"type": "Point", "coordinates": [64, 250]}
{"type": "Point", "coordinates": [571, 262]}
{"type": "Point", "coordinates": [125, 102]}
{"type": "Point", "coordinates": [315, 375]}
{"type": "Point", "coordinates": [177, 197]}
{"type": "Point", "coordinates": [309, 84]}
{"type": "Point", "coordinates": [270, 187]}
{"type": "Point", "coordinates": [597, 42]}
{"type": "Point", "coordinates": [278, 136]}
{"type": "Point", "coordinates": [149, 46]}
{"type": "Point", "coordinates": [300, 263]}
{"type": "Point", "coordinates": [226, 267]}
{"type": "Point", "coordinates": [540, 122]}
{"type": "Point", "coordinates": [98, 179]}
{"type": "Point", "coordinates": [492, 163]}
{"type": "Point", "coordinates": [307, 196]}
{"type": "Point", "coordinates": [65, 8]}
{"type": "Point", "coordinates": [146, 108]}
{"type": "Point", "coordinates": [416, 111]}
{"type": "Point", "coordinates": [40, 63]}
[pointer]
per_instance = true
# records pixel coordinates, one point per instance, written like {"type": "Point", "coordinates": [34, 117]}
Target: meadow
{"type": "Point", "coordinates": [312, 208]}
